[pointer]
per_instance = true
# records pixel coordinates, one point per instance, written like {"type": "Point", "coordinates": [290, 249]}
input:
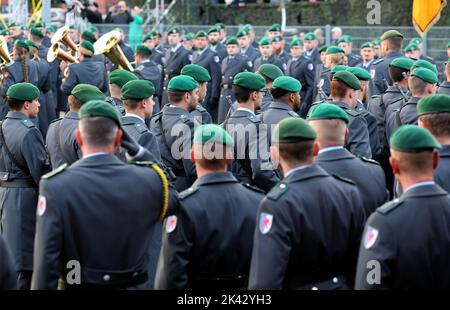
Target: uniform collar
{"type": "Point", "coordinates": [310, 171]}
{"type": "Point", "coordinates": [176, 48]}
{"type": "Point", "coordinates": [71, 115]}
{"type": "Point", "coordinates": [174, 110]}
{"type": "Point", "coordinates": [424, 190]}
{"type": "Point", "coordinates": [246, 110]}
{"type": "Point", "coordinates": [16, 115]}
{"type": "Point", "coordinates": [331, 149]}
{"type": "Point", "coordinates": [445, 151]}
{"type": "Point", "coordinates": [214, 178]}
{"type": "Point", "coordinates": [280, 105]}
{"type": "Point", "coordinates": [131, 115]}
{"type": "Point", "coordinates": [420, 184]}
{"type": "Point", "coordinates": [296, 170]}
{"type": "Point", "coordinates": [98, 159]}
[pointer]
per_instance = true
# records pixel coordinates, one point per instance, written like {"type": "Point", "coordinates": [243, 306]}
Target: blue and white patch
{"type": "Point", "coordinates": [42, 205]}
{"type": "Point", "coordinates": [190, 57]}
{"type": "Point", "coordinates": [250, 64]}
{"type": "Point", "coordinates": [321, 82]}
{"type": "Point", "coordinates": [284, 67]}
{"type": "Point", "coordinates": [372, 73]}
{"type": "Point", "coordinates": [216, 59]}
{"type": "Point", "coordinates": [265, 222]}
{"type": "Point", "coordinates": [371, 237]}
{"type": "Point", "coordinates": [310, 66]}
{"type": "Point", "coordinates": [171, 223]}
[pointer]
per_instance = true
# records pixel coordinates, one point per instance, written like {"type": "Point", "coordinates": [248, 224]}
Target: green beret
{"type": "Point", "coordinates": [390, 34]}
{"type": "Point", "coordinates": [23, 92]}
{"type": "Point", "coordinates": [92, 28]}
{"type": "Point", "coordinates": [448, 45]}
{"type": "Point", "coordinates": [137, 89]}
{"type": "Point", "coordinates": [4, 32]}
{"type": "Point", "coordinates": [197, 72]}
{"type": "Point", "coordinates": [376, 42]}
{"type": "Point", "coordinates": [416, 41]}
{"type": "Point", "coordinates": [360, 73]}
{"type": "Point", "coordinates": [32, 44]}
{"type": "Point", "coordinates": [348, 79]}
{"type": "Point", "coordinates": [275, 27]}
{"type": "Point", "coordinates": [338, 68]}
{"type": "Point", "coordinates": [13, 24]}
{"type": "Point", "coordinates": [327, 111]}
{"type": "Point", "coordinates": [173, 30]}
{"type": "Point", "coordinates": [88, 36]}
{"type": "Point", "coordinates": [36, 32]}
{"type": "Point", "coordinates": [265, 41]}
{"type": "Point", "coordinates": [411, 47]}
{"type": "Point", "coordinates": [39, 24]}
{"type": "Point", "coordinates": [182, 83]}
{"type": "Point", "coordinates": [200, 34]}
{"type": "Point", "coordinates": [188, 36]}
{"type": "Point", "coordinates": [249, 80]}
{"type": "Point", "coordinates": [345, 39]}
{"type": "Point", "coordinates": [422, 63]}
{"type": "Point", "coordinates": [121, 77]}
{"type": "Point", "coordinates": [277, 39]}
{"type": "Point", "coordinates": [412, 138]}
{"type": "Point", "coordinates": [148, 36]}
{"type": "Point", "coordinates": [22, 43]}
{"type": "Point", "coordinates": [323, 48]}
{"type": "Point", "coordinates": [213, 29]}
{"type": "Point", "coordinates": [271, 71]}
{"type": "Point", "coordinates": [296, 42]}
{"type": "Point", "coordinates": [232, 40]}
{"type": "Point", "coordinates": [404, 63]}
{"type": "Point", "coordinates": [212, 133]}
{"type": "Point", "coordinates": [155, 32]}
{"type": "Point", "coordinates": [88, 45]}
{"type": "Point", "coordinates": [247, 27]}
{"type": "Point", "coordinates": [100, 108]}
{"type": "Point", "coordinates": [425, 75]}
{"type": "Point", "coordinates": [242, 33]}
{"type": "Point", "coordinates": [72, 26]}
{"type": "Point", "coordinates": [366, 45]}
{"type": "Point", "coordinates": [293, 129]}
{"type": "Point", "coordinates": [87, 92]}
{"type": "Point", "coordinates": [221, 26]}
{"type": "Point", "coordinates": [334, 50]}
{"type": "Point", "coordinates": [287, 83]}
{"type": "Point", "coordinates": [310, 36]}
{"type": "Point", "coordinates": [438, 103]}
{"type": "Point", "coordinates": [143, 49]}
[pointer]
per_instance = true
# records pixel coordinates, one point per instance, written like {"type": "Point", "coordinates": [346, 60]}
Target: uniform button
{"type": "Point", "coordinates": [282, 186]}
{"type": "Point", "coordinates": [314, 288]}
{"type": "Point", "coordinates": [135, 274]}
{"type": "Point", "coordinates": [335, 280]}
{"type": "Point", "coordinates": [106, 278]}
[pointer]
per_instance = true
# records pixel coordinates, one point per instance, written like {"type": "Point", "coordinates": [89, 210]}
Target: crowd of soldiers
{"type": "Point", "coordinates": [222, 162]}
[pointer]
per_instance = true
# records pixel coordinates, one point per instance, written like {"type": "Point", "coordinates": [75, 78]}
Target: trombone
{"type": "Point", "coordinates": [108, 44]}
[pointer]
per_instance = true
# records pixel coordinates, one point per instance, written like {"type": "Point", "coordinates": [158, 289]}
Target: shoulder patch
{"type": "Point", "coordinates": [338, 177]}
{"type": "Point", "coordinates": [388, 207]}
{"type": "Point", "coordinates": [368, 160]}
{"type": "Point", "coordinates": [140, 128]}
{"type": "Point", "coordinates": [55, 171]}
{"type": "Point", "coordinates": [293, 114]}
{"type": "Point", "coordinates": [378, 61]}
{"type": "Point", "coordinates": [28, 123]}
{"type": "Point", "coordinates": [277, 191]}
{"type": "Point", "coordinates": [253, 188]}
{"type": "Point", "coordinates": [56, 120]}
{"type": "Point", "coordinates": [254, 119]}
{"type": "Point", "coordinates": [188, 192]}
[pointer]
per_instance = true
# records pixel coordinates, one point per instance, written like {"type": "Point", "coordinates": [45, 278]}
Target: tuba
{"type": "Point", "coordinates": [108, 44]}
{"type": "Point", "coordinates": [56, 52]}
{"type": "Point", "coordinates": [5, 56]}
{"type": "Point", "coordinates": [62, 35]}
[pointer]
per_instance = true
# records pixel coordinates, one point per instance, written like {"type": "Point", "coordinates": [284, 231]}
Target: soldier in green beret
{"type": "Point", "coordinates": [222, 32]}
{"type": "Point", "coordinates": [367, 55]}
{"type": "Point", "coordinates": [279, 259]}
{"type": "Point", "coordinates": [252, 164]}
{"type": "Point", "coordinates": [269, 72]}
{"type": "Point", "coordinates": [346, 43]}
{"type": "Point", "coordinates": [391, 237]}
{"type": "Point", "coordinates": [412, 51]}
{"type": "Point", "coordinates": [268, 56]}
{"type": "Point", "coordinates": [274, 31]}
{"type": "Point", "coordinates": [157, 55]}
{"type": "Point", "coordinates": [335, 56]}
{"type": "Point", "coordinates": [117, 79]}
{"type": "Point", "coordinates": [214, 43]}
{"type": "Point", "coordinates": [444, 87]}
{"type": "Point", "coordinates": [23, 160]}
{"type": "Point", "coordinates": [420, 63]}
{"type": "Point", "coordinates": [187, 41]}
{"type": "Point", "coordinates": [246, 46]}
{"type": "Point", "coordinates": [311, 45]}
{"type": "Point", "coordinates": [279, 49]}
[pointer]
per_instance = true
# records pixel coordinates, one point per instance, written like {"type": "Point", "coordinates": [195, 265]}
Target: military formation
{"type": "Point", "coordinates": [203, 160]}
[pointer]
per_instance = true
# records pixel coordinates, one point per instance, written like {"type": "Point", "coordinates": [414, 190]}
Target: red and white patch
{"type": "Point", "coordinates": [42, 205]}
{"type": "Point", "coordinates": [371, 237]}
{"type": "Point", "coordinates": [171, 223]}
{"type": "Point", "coordinates": [265, 222]}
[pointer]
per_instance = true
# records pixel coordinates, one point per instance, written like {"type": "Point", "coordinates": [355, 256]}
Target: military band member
{"type": "Point", "coordinates": [292, 248]}
{"type": "Point", "coordinates": [46, 42]}
{"type": "Point", "coordinates": [24, 160]}
{"type": "Point", "coordinates": [270, 73]}
{"type": "Point", "coordinates": [117, 79]}
{"type": "Point", "coordinates": [346, 43]}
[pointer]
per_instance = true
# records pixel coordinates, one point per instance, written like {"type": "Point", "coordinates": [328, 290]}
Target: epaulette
{"type": "Point", "coordinates": [293, 114]}
{"type": "Point", "coordinates": [255, 119]}
{"type": "Point", "coordinates": [368, 160]}
{"type": "Point", "coordinates": [28, 123]}
{"type": "Point", "coordinates": [55, 171]}
{"type": "Point", "coordinates": [56, 120]}
{"type": "Point", "coordinates": [277, 191]}
{"type": "Point", "coordinates": [338, 177]}
{"type": "Point", "coordinates": [352, 112]}
{"type": "Point", "coordinates": [188, 192]}
{"type": "Point", "coordinates": [139, 68]}
{"type": "Point", "coordinates": [375, 96]}
{"type": "Point", "coordinates": [184, 118]}
{"type": "Point", "coordinates": [253, 188]}
{"type": "Point", "coordinates": [141, 128]}
{"type": "Point", "coordinates": [378, 61]}
{"type": "Point", "coordinates": [388, 207]}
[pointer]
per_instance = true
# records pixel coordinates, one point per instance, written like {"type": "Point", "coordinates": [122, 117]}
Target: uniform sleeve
{"type": "Point", "coordinates": [48, 241]}
{"type": "Point", "coordinates": [148, 141]}
{"type": "Point", "coordinates": [70, 82]}
{"type": "Point", "coordinates": [308, 83]}
{"type": "Point", "coordinates": [376, 255]}
{"type": "Point", "coordinates": [173, 263]}
{"type": "Point", "coordinates": [358, 140]}
{"type": "Point", "coordinates": [216, 78]}
{"type": "Point", "coordinates": [35, 154]}
{"type": "Point", "coordinates": [271, 249]}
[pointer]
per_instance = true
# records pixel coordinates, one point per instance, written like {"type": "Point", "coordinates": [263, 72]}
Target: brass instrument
{"type": "Point", "coordinates": [108, 44]}
{"type": "Point", "coordinates": [62, 35]}
{"type": "Point", "coordinates": [5, 56]}
{"type": "Point", "coordinates": [56, 52]}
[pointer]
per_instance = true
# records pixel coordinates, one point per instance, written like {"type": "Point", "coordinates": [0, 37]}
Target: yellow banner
{"type": "Point", "coordinates": [426, 13]}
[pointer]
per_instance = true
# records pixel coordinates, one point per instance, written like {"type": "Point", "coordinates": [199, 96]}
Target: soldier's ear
{"type": "Point", "coordinates": [346, 133]}
{"type": "Point", "coordinates": [316, 148]}
{"type": "Point", "coordinates": [77, 134]}
{"type": "Point", "coordinates": [192, 155]}
{"type": "Point", "coordinates": [436, 158]}
{"type": "Point", "coordinates": [394, 166]}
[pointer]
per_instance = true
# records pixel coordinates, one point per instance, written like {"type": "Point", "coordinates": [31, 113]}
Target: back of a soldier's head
{"type": "Point", "coordinates": [434, 115]}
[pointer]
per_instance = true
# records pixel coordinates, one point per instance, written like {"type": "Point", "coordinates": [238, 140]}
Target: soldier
{"type": "Point", "coordinates": [24, 160]}
{"type": "Point", "coordinates": [270, 73]}
{"type": "Point", "coordinates": [85, 72]}
{"type": "Point", "coordinates": [391, 48]}
{"type": "Point", "coordinates": [444, 87]}
{"type": "Point", "coordinates": [46, 42]}
{"type": "Point", "coordinates": [418, 42]}
{"type": "Point", "coordinates": [278, 47]}
{"type": "Point", "coordinates": [267, 56]}
{"type": "Point", "coordinates": [251, 163]}
{"type": "Point", "coordinates": [233, 64]}
{"type": "Point", "coordinates": [15, 34]}
{"type": "Point", "coordinates": [274, 31]}
{"type": "Point", "coordinates": [367, 55]}
{"type": "Point", "coordinates": [377, 48]}
{"type": "Point", "coordinates": [126, 49]}
{"type": "Point", "coordinates": [198, 239]}
{"type": "Point", "coordinates": [205, 57]}
{"type": "Point", "coordinates": [117, 79]}
{"type": "Point", "coordinates": [50, 31]}
{"type": "Point", "coordinates": [422, 83]}
{"type": "Point", "coordinates": [188, 41]}
{"type": "Point", "coordinates": [251, 32]}
{"type": "Point", "coordinates": [116, 259]}
{"type": "Point", "coordinates": [310, 43]}
{"type": "Point", "coordinates": [222, 33]}
{"type": "Point", "coordinates": [201, 75]}
{"type": "Point", "coordinates": [344, 93]}
{"type": "Point", "coordinates": [301, 68]}
{"type": "Point", "coordinates": [8, 279]}
{"type": "Point", "coordinates": [175, 125]}
{"type": "Point", "coordinates": [345, 42]}
{"type": "Point", "coordinates": [405, 260]}
{"type": "Point", "coordinates": [292, 246]}
{"type": "Point", "coordinates": [424, 64]}
{"type": "Point", "coordinates": [285, 91]}
{"type": "Point", "coordinates": [90, 36]}
{"type": "Point", "coordinates": [434, 115]}
{"type": "Point", "coordinates": [73, 33]}
{"type": "Point", "coordinates": [214, 43]}
{"type": "Point", "coordinates": [335, 56]}
{"type": "Point", "coordinates": [156, 56]}
{"type": "Point", "coordinates": [148, 70]}
{"type": "Point", "coordinates": [247, 48]}
{"type": "Point", "coordinates": [412, 51]}
{"type": "Point", "coordinates": [330, 124]}
{"type": "Point", "coordinates": [61, 143]}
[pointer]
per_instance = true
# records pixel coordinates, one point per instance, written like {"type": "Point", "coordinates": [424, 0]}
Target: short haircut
{"type": "Point", "coordinates": [394, 43]}
{"type": "Point", "coordinates": [242, 94]}
{"type": "Point", "coordinates": [175, 96]}
{"type": "Point", "coordinates": [97, 131]}
{"type": "Point", "coordinates": [131, 103]}
{"type": "Point", "coordinates": [329, 131]}
{"type": "Point", "coordinates": [296, 152]}
{"type": "Point", "coordinates": [143, 55]}
{"type": "Point", "coordinates": [278, 93]}
{"type": "Point", "coordinates": [14, 104]}
{"type": "Point", "coordinates": [74, 102]}
{"type": "Point", "coordinates": [437, 124]}
{"type": "Point", "coordinates": [417, 85]}
{"type": "Point", "coordinates": [211, 156]}
{"type": "Point", "coordinates": [268, 79]}
{"type": "Point", "coordinates": [396, 74]}
{"type": "Point", "coordinates": [338, 89]}
{"type": "Point", "coordinates": [416, 163]}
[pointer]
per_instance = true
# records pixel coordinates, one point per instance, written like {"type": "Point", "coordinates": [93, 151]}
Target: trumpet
{"type": "Point", "coordinates": [56, 52]}
{"type": "Point", "coordinates": [108, 44]}
{"type": "Point", "coordinates": [62, 35]}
